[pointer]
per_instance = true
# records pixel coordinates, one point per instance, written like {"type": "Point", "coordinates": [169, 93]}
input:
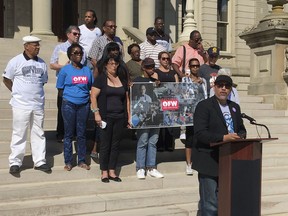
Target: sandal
{"type": "Point", "coordinates": [68, 167]}
{"type": "Point", "coordinates": [84, 166]}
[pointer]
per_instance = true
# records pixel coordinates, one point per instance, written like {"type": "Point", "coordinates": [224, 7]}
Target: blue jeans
{"type": "Point", "coordinates": [146, 148]}
{"type": "Point", "coordinates": [75, 118]}
{"type": "Point", "coordinates": [208, 190]}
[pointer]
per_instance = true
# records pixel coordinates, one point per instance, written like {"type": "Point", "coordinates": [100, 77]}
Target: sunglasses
{"type": "Point", "coordinates": [194, 66]}
{"type": "Point", "coordinates": [112, 26]}
{"type": "Point", "coordinates": [77, 53]}
{"type": "Point", "coordinates": [226, 85]}
{"type": "Point", "coordinates": [167, 58]}
{"type": "Point", "coordinates": [76, 34]}
{"type": "Point", "coordinates": [149, 66]}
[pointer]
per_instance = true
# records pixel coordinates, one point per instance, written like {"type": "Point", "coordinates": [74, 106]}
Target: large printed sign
{"type": "Point", "coordinates": [167, 105]}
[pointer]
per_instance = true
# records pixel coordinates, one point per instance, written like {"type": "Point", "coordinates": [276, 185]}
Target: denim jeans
{"type": "Point", "coordinates": [146, 148]}
{"type": "Point", "coordinates": [75, 117]}
{"type": "Point", "coordinates": [208, 190]}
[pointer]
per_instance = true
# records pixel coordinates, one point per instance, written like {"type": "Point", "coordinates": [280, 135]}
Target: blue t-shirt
{"type": "Point", "coordinates": [76, 83]}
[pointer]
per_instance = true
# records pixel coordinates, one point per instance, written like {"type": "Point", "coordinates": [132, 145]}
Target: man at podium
{"type": "Point", "coordinates": [216, 119]}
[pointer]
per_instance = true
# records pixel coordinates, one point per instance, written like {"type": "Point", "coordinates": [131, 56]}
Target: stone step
{"type": "Point", "coordinates": [255, 106]}
{"type": "Point", "coordinates": [58, 197]}
{"type": "Point", "coordinates": [264, 113]}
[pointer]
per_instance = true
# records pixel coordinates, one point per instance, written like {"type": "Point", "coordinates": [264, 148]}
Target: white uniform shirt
{"type": "Point", "coordinates": [28, 77]}
{"type": "Point", "coordinates": [87, 37]}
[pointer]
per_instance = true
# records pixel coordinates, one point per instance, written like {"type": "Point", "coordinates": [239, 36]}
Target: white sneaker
{"type": "Point", "coordinates": [182, 136]}
{"type": "Point", "coordinates": [155, 173]}
{"type": "Point", "coordinates": [141, 174]}
{"type": "Point", "coordinates": [189, 170]}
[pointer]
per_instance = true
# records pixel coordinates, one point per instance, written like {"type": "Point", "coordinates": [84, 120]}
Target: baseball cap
{"type": "Point", "coordinates": [213, 51]}
{"type": "Point", "coordinates": [148, 62]}
{"type": "Point", "coordinates": [223, 78]}
{"type": "Point", "coordinates": [150, 31]}
{"type": "Point", "coordinates": [30, 39]}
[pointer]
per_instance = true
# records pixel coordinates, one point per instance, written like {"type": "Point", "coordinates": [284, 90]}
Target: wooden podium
{"type": "Point", "coordinates": [240, 163]}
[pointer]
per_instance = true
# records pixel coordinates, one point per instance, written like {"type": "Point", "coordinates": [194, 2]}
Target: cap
{"type": "Point", "coordinates": [150, 31]}
{"type": "Point", "coordinates": [29, 39]}
{"type": "Point", "coordinates": [224, 71]}
{"type": "Point", "coordinates": [213, 51]}
{"type": "Point", "coordinates": [223, 78]}
{"type": "Point", "coordinates": [148, 62]}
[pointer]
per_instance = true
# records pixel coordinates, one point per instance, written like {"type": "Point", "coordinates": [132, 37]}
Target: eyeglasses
{"type": "Point", "coordinates": [226, 85]}
{"type": "Point", "coordinates": [111, 26]}
{"type": "Point", "coordinates": [167, 58]}
{"type": "Point", "coordinates": [194, 66]}
{"type": "Point", "coordinates": [149, 67]}
{"type": "Point", "coordinates": [77, 53]}
{"type": "Point", "coordinates": [76, 34]}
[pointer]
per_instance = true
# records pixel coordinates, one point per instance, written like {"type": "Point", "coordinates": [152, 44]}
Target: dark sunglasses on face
{"type": "Point", "coordinates": [167, 58]}
{"type": "Point", "coordinates": [76, 34]}
{"type": "Point", "coordinates": [77, 53]}
{"type": "Point", "coordinates": [149, 66]}
{"type": "Point", "coordinates": [112, 26]}
{"type": "Point", "coordinates": [221, 85]}
{"type": "Point", "coordinates": [194, 66]}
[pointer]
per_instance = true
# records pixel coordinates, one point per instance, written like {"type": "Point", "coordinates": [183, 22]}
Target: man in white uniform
{"type": "Point", "coordinates": [25, 76]}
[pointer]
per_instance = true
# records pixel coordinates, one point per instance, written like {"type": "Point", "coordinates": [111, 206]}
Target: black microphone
{"type": "Point", "coordinates": [253, 121]}
{"type": "Point", "coordinates": [243, 115]}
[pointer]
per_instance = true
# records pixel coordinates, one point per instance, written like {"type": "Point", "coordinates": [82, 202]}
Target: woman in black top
{"type": "Point", "coordinates": [110, 104]}
{"type": "Point", "coordinates": [165, 73]}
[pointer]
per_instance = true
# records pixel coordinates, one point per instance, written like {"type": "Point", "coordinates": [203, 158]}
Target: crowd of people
{"type": "Point", "coordinates": [93, 77]}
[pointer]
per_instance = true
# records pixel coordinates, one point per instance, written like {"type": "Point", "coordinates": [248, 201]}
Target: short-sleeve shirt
{"type": "Point", "coordinates": [76, 83]}
{"type": "Point", "coordinates": [99, 44]}
{"type": "Point", "coordinates": [190, 53]}
{"type": "Point", "coordinates": [28, 77]}
{"type": "Point", "coordinates": [88, 36]}
{"type": "Point", "coordinates": [149, 50]}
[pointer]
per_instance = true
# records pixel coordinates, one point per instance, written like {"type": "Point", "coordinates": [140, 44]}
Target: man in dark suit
{"type": "Point", "coordinates": [216, 119]}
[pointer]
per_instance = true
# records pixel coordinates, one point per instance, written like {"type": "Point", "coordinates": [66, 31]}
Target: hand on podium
{"type": "Point", "coordinates": [231, 136]}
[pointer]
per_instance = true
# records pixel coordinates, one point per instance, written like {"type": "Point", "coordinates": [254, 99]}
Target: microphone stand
{"type": "Point", "coordinates": [254, 123]}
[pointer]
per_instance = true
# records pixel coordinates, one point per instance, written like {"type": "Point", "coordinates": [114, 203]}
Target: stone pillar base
{"type": "Point", "coordinates": [270, 93]}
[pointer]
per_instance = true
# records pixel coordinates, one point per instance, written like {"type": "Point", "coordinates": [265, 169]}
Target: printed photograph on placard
{"type": "Point", "coordinates": [167, 105]}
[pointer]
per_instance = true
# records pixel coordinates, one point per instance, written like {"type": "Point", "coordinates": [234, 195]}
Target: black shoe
{"type": "Point", "coordinates": [105, 180]}
{"type": "Point", "coordinates": [14, 170]}
{"type": "Point", "coordinates": [44, 168]}
{"type": "Point", "coordinates": [116, 179]}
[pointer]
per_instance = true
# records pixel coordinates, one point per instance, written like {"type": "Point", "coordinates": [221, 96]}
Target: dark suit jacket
{"type": "Point", "coordinates": [210, 127]}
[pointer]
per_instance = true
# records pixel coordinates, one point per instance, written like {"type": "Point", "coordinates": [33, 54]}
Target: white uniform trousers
{"type": "Point", "coordinates": [22, 119]}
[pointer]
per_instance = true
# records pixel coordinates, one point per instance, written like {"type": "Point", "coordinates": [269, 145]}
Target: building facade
{"type": "Point", "coordinates": [219, 21]}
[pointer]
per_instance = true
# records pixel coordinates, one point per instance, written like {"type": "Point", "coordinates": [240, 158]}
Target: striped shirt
{"type": "Point", "coordinates": [149, 50]}
{"type": "Point", "coordinates": [99, 44]}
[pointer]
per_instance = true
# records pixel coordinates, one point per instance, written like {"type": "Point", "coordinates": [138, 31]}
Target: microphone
{"type": "Point", "coordinates": [253, 121]}
{"type": "Point", "coordinates": [243, 115]}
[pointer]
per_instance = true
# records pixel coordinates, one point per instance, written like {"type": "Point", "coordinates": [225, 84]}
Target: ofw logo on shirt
{"type": "Point", "coordinates": [169, 104]}
{"type": "Point", "coordinates": [79, 79]}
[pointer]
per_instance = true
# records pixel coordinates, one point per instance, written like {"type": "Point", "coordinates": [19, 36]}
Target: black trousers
{"type": "Point", "coordinates": [110, 138]}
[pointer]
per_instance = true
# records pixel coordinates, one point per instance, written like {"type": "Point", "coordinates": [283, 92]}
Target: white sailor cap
{"type": "Point", "coordinates": [29, 39]}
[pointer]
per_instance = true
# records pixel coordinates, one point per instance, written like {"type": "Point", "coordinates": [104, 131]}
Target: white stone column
{"type": "Point", "coordinates": [42, 18]}
{"type": "Point", "coordinates": [146, 14]}
{"type": "Point", "coordinates": [124, 16]}
{"type": "Point", "coordinates": [189, 23]}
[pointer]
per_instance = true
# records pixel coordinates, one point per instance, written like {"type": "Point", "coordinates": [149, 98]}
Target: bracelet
{"type": "Point", "coordinates": [95, 110]}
